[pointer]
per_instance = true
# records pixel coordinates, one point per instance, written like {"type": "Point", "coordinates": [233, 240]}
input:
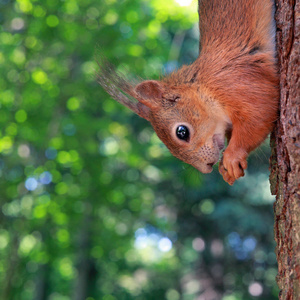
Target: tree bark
{"type": "Point", "coordinates": [285, 159]}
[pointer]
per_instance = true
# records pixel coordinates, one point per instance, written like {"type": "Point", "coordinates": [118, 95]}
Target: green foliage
{"type": "Point", "coordinates": [92, 204]}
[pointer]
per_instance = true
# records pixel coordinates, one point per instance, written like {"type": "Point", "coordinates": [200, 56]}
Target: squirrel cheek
{"type": "Point", "coordinates": [219, 141]}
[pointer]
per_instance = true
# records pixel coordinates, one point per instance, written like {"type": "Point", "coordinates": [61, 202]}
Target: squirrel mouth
{"type": "Point", "coordinates": [205, 168]}
{"type": "Point", "coordinates": [209, 166]}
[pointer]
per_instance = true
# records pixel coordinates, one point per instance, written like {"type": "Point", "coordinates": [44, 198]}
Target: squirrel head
{"type": "Point", "coordinates": [189, 123]}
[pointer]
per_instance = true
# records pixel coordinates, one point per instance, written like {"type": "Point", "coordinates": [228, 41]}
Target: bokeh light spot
{"type": "Point", "coordinates": [154, 27]}
{"type": "Point", "coordinates": [63, 236]}
{"type": "Point", "coordinates": [25, 5]}
{"type": "Point", "coordinates": [30, 42]}
{"type": "Point", "coordinates": [31, 184]}
{"type": "Point", "coordinates": [63, 157]}
{"type": "Point", "coordinates": [39, 211]}
{"type": "Point", "coordinates": [39, 77]}
{"type": "Point", "coordinates": [109, 147]}
{"type": "Point", "coordinates": [165, 245]}
{"type": "Point", "coordinates": [92, 12]}
{"type": "Point", "coordinates": [51, 153]}
{"type": "Point", "coordinates": [73, 103]}
{"type": "Point", "coordinates": [39, 11]}
{"type": "Point", "coordinates": [249, 244]}
{"type": "Point", "coordinates": [61, 188]}
{"type": "Point", "coordinates": [207, 206]}
{"type": "Point", "coordinates": [199, 244]}
{"type": "Point", "coordinates": [255, 289]}
{"type": "Point", "coordinates": [11, 129]}
{"type": "Point", "coordinates": [136, 50]}
{"type": "Point", "coordinates": [69, 129]}
{"type": "Point", "coordinates": [6, 144]}
{"type": "Point", "coordinates": [172, 295]}
{"type": "Point", "coordinates": [46, 178]}
{"type": "Point", "coordinates": [111, 17]}
{"type": "Point", "coordinates": [7, 97]}
{"type": "Point", "coordinates": [217, 247]}
{"type": "Point", "coordinates": [52, 21]}
{"type": "Point", "coordinates": [132, 16]}
{"type": "Point", "coordinates": [27, 244]}
{"type": "Point", "coordinates": [18, 56]}
{"type": "Point", "coordinates": [4, 239]}
{"type": "Point", "coordinates": [65, 268]}
{"type": "Point", "coordinates": [24, 151]}
{"type": "Point", "coordinates": [21, 116]}
{"type": "Point", "coordinates": [17, 23]}
{"type": "Point", "coordinates": [152, 173]}
{"type": "Point", "coordinates": [184, 2]}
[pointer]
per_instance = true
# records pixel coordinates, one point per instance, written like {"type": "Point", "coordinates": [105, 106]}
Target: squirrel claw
{"type": "Point", "coordinates": [225, 174]}
{"type": "Point", "coordinates": [232, 165]}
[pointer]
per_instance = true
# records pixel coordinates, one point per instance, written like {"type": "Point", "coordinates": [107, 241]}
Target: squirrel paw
{"type": "Point", "coordinates": [225, 174]}
{"type": "Point", "coordinates": [232, 165]}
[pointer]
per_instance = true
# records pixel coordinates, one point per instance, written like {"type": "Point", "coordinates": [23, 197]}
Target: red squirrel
{"type": "Point", "coordinates": [230, 91]}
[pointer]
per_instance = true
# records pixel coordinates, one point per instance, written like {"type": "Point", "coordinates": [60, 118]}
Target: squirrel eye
{"type": "Point", "coordinates": [182, 132]}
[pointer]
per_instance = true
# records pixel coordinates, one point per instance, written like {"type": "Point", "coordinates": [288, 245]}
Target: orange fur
{"type": "Point", "coordinates": [230, 90]}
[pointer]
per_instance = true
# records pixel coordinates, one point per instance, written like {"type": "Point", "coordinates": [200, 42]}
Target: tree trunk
{"type": "Point", "coordinates": [12, 269]}
{"type": "Point", "coordinates": [80, 290]}
{"type": "Point", "coordinates": [285, 159]}
{"type": "Point", "coordinates": [41, 282]}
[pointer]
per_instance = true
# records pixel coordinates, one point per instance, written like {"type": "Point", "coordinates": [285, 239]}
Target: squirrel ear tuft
{"type": "Point", "coordinates": [149, 93]}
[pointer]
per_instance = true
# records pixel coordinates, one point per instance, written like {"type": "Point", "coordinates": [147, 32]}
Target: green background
{"type": "Point", "coordinates": [93, 206]}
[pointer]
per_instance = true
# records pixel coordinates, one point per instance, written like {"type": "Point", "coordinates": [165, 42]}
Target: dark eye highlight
{"type": "Point", "coordinates": [183, 133]}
